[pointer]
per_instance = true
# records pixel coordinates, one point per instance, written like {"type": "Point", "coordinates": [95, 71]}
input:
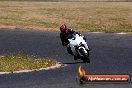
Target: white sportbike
{"type": "Point", "coordinates": [78, 47]}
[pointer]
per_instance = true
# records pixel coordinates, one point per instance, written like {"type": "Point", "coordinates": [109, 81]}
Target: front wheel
{"type": "Point", "coordinates": [85, 55]}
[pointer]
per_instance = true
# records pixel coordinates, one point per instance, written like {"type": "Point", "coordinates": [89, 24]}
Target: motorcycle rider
{"type": "Point", "coordinates": [65, 34]}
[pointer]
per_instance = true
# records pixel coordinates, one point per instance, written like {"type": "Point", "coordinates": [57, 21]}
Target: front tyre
{"type": "Point", "coordinates": [85, 55]}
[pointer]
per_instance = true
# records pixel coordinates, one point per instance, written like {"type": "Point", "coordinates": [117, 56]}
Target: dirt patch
{"type": "Point", "coordinates": [29, 27]}
{"type": "Point", "coordinates": [35, 28]}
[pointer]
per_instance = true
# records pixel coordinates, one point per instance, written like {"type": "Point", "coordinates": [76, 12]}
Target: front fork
{"type": "Point", "coordinates": [76, 52]}
{"type": "Point", "coordinates": [85, 50]}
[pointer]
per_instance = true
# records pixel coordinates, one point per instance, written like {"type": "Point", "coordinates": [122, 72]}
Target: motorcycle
{"type": "Point", "coordinates": [77, 44]}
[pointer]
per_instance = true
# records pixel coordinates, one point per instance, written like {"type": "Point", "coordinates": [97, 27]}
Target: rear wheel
{"type": "Point", "coordinates": [85, 55]}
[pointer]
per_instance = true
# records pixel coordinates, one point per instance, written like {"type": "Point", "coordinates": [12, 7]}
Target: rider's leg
{"type": "Point", "coordinates": [69, 50]}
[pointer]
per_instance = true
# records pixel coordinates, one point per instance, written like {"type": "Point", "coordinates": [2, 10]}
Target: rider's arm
{"type": "Point", "coordinates": [81, 35]}
{"type": "Point", "coordinates": [72, 31]}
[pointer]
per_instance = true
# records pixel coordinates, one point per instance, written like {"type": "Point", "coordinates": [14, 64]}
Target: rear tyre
{"type": "Point", "coordinates": [85, 55]}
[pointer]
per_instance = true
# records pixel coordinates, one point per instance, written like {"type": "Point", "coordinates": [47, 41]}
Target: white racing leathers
{"type": "Point", "coordinates": [79, 46]}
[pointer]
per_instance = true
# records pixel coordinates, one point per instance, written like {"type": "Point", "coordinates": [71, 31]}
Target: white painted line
{"type": "Point", "coordinates": [97, 32]}
{"type": "Point", "coordinates": [123, 33]}
{"type": "Point", "coordinates": [58, 65]}
{"type": "Point", "coordinates": [4, 73]}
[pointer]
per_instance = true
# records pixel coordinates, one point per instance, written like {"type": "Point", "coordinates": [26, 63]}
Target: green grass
{"type": "Point", "coordinates": [87, 16]}
{"type": "Point", "coordinates": [10, 63]}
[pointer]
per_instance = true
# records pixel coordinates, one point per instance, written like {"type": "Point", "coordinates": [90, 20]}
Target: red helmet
{"type": "Point", "coordinates": [63, 28]}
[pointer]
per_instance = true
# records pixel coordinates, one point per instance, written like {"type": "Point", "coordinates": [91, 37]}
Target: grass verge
{"type": "Point", "coordinates": [10, 63]}
{"type": "Point", "coordinates": [85, 16]}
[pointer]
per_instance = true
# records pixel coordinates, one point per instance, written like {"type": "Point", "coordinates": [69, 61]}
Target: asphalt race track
{"type": "Point", "coordinates": [111, 53]}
